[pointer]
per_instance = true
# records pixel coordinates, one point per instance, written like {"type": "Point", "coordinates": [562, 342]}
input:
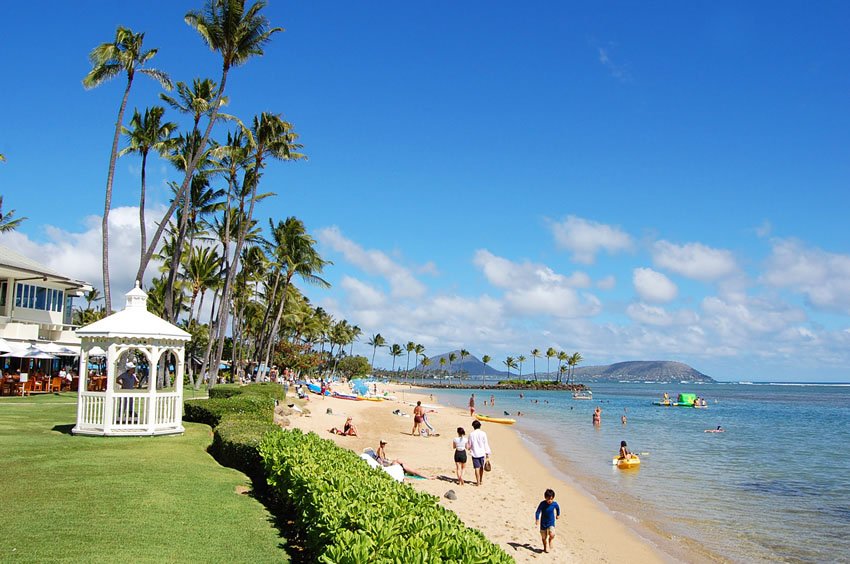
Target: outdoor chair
{"type": "Point", "coordinates": [55, 384]}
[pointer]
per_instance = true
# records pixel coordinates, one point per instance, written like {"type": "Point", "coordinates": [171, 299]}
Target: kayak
{"type": "Point", "coordinates": [364, 398]}
{"type": "Point", "coordinates": [344, 396]}
{"type": "Point", "coordinates": [502, 420]}
{"type": "Point", "coordinates": [627, 463]}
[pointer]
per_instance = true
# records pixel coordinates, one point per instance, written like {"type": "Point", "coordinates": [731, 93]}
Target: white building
{"type": "Point", "coordinates": [36, 303]}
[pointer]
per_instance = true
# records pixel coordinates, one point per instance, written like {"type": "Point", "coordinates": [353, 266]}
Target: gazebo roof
{"type": "Point", "coordinates": [134, 322]}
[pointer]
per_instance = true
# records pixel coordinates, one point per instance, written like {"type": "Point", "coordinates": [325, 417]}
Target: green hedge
{"type": "Point", "coordinates": [224, 391]}
{"type": "Point", "coordinates": [236, 442]}
{"type": "Point", "coordinates": [351, 513]}
{"type": "Point", "coordinates": [211, 411]}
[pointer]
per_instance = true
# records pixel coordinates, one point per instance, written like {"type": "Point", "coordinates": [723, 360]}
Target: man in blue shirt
{"type": "Point", "coordinates": [548, 511]}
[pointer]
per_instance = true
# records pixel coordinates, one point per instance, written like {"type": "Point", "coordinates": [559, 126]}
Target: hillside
{"type": "Point", "coordinates": [629, 371]}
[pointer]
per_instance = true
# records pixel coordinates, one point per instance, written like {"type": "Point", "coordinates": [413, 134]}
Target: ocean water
{"type": "Point", "coordinates": [774, 487]}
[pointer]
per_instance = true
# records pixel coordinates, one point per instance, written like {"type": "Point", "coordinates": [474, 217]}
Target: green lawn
{"type": "Point", "coordinates": [117, 499]}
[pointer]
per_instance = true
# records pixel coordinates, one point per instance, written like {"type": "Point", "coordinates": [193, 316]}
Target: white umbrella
{"type": "Point", "coordinates": [96, 351]}
{"type": "Point", "coordinates": [5, 346]}
{"type": "Point", "coordinates": [30, 352]}
{"type": "Point", "coordinates": [57, 349]}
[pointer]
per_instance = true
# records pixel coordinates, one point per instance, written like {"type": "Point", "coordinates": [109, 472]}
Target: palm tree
{"type": "Point", "coordinates": [237, 35]}
{"type": "Point", "coordinates": [486, 360]}
{"type": "Point", "coordinates": [550, 352]}
{"type": "Point", "coordinates": [535, 354]}
{"type": "Point", "coordinates": [562, 357]}
{"type": "Point", "coordinates": [147, 133]}
{"type": "Point", "coordinates": [196, 101]}
{"type": "Point", "coordinates": [443, 364]}
{"type": "Point", "coordinates": [202, 270]}
{"type": "Point", "coordinates": [125, 54]}
{"type": "Point", "coordinates": [376, 341]}
{"type": "Point", "coordinates": [8, 221]}
{"type": "Point", "coordinates": [426, 362]}
{"type": "Point", "coordinates": [463, 354]}
{"type": "Point", "coordinates": [561, 369]}
{"type": "Point", "coordinates": [409, 347]}
{"type": "Point", "coordinates": [356, 331]}
{"type": "Point", "coordinates": [396, 351]}
{"type": "Point", "coordinates": [520, 359]}
{"type": "Point", "coordinates": [452, 358]}
{"type": "Point", "coordinates": [509, 362]}
{"type": "Point", "coordinates": [574, 359]}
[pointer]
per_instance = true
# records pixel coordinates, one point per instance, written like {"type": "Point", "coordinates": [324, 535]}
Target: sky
{"type": "Point", "coordinates": [630, 181]}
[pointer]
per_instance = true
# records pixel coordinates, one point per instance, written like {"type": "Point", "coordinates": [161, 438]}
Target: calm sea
{"type": "Point", "coordinates": [775, 486]}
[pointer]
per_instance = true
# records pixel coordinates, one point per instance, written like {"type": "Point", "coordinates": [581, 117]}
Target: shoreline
{"type": "Point", "coordinates": [502, 508]}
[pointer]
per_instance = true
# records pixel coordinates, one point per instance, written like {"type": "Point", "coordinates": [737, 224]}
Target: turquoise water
{"type": "Point", "coordinates": [774, 487]}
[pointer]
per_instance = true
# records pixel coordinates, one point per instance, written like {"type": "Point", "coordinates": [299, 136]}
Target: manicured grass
{"type": "Point", "coordinates": [117, 499]}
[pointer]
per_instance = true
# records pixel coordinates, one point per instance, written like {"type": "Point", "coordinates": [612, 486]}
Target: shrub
{"type": "Point", "coordinates": [224, 391]}
{"type": "Point", "coordinates": [351, 513]}
{"type": "Point", "coordinates": [236, 442]}
{"type": "Point", "coordinates": [211, 411]}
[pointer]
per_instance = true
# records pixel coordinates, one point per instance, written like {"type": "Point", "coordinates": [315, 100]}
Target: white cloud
{"type": "Point", "coordinates": [656, 315]}
{"type": "Point", "coordinates": [653, 286]}
{"type": "Point", "coordinates": [401, 280]}
{"type": "Point", "coordinates": [585, 238]}
{"type": "Point", "coordinates": [362, 295]}
{"type": "Point", "coordinates": [607, 283]}
{"type": "Point", "coordinates": [823, 277]}
{"type": "Point", "coordinates": [694, 260]}
{"type": "Point", "coordinates": [78, 254]}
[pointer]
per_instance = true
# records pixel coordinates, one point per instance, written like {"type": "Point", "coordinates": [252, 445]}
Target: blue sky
{"type": "Point", "coordinates": [627, 181]}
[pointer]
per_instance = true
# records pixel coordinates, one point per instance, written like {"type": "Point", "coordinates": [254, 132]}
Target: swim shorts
{"type": "Point", "coordinates": [417, 419]}
{"type": "Point", "coordinates": [477, 462]}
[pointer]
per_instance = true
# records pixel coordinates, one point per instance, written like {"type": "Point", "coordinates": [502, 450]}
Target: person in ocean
{"type": "Point", "coordinates": [719, 429]}
{"type": "Point", "coordinates": [625, 453]}
{"type": "Point", "coordinates": [548, 511]}
{"type": "Point", "coordinates": [597, 416]}
{"type": "Point", "coordinates": [472, 405]}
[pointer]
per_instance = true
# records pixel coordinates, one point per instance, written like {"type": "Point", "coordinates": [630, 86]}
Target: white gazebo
{"type": "Point", "coordinates": [129, 335]}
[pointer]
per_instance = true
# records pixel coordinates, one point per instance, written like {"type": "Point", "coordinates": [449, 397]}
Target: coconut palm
{"type": "Point", "coordinates": [409, 347]}
{"type": "Point", "coordinates": [509, 363]}
{"type": "Point", "coordinates": [202, 270]}
{"type": "Point", "coordinates": [123, 55]}
{"type": "Point", "coordinates": [562, 369]}
{"type": "Point", "coordinates": [356, 331]}
{"type": "Point", "coordinates": [376, 341]}
{"type": "Point", "coordinates": [550, 352]}
{"type": "Point", "coordinates": [562, 357]}
{"type": "Point", "coordinates": [443, 364]}
{"type": "Point", "coordinates": [237, 34]}
{"type": "Point", "coordinates": [8, 221]}
{"type": "Point", "coordinates": [395, 351]}
{"type": "Point", "coordinates": [452, 358]}
{"type": "Point", "coordinates": [147, 133]}
{"type": "Point", "coordinates": [486, 360]}
{"type": "Point", "coordinates": [574, 359]}
{"type": "Point", "coordinates": [520, 359]}
{"type": "Point", "coordinates": [535, 354]}
{"type": "Point", "coordinates": [463, 354]}
{"type": "Point", "coordinates": [197, 101]}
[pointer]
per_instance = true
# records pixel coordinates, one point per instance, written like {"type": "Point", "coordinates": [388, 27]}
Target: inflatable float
{"type": "Point", "coordinates": [502, 420]}
{"type": "Point", "coordinates": [627, 463]}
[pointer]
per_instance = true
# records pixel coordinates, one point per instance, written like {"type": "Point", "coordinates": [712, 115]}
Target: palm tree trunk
{"type": "Point", "coordinates": [272, 334]}
{"type": "Point", "coordinates": [142, 227]}
{"type": "Point", "coordinates": [107, 204]}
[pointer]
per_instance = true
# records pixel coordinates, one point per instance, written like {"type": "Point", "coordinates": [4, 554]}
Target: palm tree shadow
{"type": "Point", "coordinates": [527, 546]}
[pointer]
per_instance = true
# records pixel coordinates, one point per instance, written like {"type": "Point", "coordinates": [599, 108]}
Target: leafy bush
{"type": "Point", "coordinates": [224, 391]}
{"type": "Point", "coordinates": [236, 442]}
{"type": "Point", "coordinates": [351, 513]}
{"type": "Point", "coordinates": [211, 411]}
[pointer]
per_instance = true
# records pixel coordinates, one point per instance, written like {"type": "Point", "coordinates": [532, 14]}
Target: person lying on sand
{"type": "Point", "coordinates": [348, 429]}
{"type": "Point", "coordinates": [381, 457]}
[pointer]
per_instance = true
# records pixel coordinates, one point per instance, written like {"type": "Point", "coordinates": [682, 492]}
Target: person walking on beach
{"type": "Point", "coordinates": [548, 511]}
{"type": "Point", "coordinates": [479, 449]}
{"type": "Point", "coordinates": [418, 418]}
{"type": "Point", "coordinates": [472, 405]}
{"type": "Point", "coordinates": [459, 447]}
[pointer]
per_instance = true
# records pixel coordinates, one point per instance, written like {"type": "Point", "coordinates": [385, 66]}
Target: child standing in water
{"type": "Point", "coordinates": [548, 511]}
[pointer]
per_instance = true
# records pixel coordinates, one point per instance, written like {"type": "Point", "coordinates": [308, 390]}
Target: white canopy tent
{"type": "Point", "coordinates": [129, 334]}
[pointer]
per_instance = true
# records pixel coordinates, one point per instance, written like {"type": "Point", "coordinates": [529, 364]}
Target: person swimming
{"type": "Point", "coordinates": [719, 429]}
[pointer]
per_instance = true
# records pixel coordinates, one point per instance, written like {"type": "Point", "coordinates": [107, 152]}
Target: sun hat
{"type": "Point", "coordinates": [130, 365]}
{"type": "Point", "coordinates": [383, 442]}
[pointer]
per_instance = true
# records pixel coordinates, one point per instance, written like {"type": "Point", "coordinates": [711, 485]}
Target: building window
{"type": "Point", "coordinates": [4, 286]}
{"type": "Point", "coordinates": [36, 297]}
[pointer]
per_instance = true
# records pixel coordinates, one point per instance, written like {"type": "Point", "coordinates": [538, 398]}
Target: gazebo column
{"type": "Point", "coordinates": [112, 355]}
{"type": "Point", "coordinates": [178, 380]}
{"type": "Point", "coordinates": [82, 381]}
{"type": "Point", "coordinates": [153, 353]}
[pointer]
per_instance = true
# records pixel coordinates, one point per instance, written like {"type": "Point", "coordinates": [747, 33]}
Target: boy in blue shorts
{"type": "Point", "coordinates": [547, 513]}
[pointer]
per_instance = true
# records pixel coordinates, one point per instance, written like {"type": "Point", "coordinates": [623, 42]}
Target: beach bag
{"type": "Point", "coordinates": [487, 466]}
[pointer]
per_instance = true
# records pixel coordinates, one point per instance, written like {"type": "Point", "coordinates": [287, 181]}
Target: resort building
{"type": "Point", "coordinates": [36, 303]}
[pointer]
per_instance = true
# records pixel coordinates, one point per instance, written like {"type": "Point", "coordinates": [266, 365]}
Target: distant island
{"type": "Point", "coordinates": [661, 371]}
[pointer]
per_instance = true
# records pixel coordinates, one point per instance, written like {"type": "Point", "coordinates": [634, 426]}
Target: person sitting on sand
{"type": "Point", "coordinates": [625, 454]}
{"type": "Point", "coordinates": [383, 460]}
{"type": "Point", "coordinates": [418, 418]}
{"type": "Point", "coordinates": [347, 430]}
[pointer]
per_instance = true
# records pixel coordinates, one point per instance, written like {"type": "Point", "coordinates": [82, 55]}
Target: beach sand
{"type": "Point", "coordinates": [503, 506]}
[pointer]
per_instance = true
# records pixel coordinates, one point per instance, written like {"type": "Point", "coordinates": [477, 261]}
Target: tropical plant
{"type": "Point", "coordinates": [574, 359]}
{"type": "Point", "coordinates": [376, 341]}
{"type": "Point", "coordinates": [443, 362]}
{"type": "Point", "coordinates": [486, 360]}
{"type": "Point", "coordinates": [535, 354]}
{"type": "Point", "coordinates": [562, 357]}
{"type": "Point", "coordinates": [147, 133]}
{"type": "Point", "coordinates": [509, 363]}
{"type": "Point", "coordinates": [202, 271]}
{"type": "Point", "coordinates": [396, 351]}
{"type": "Point", "coordinates": [124, 54]}
{"type": "Point", "coordinates": [550, 352]}
{"type": "Point", "coordinates": [520, 359]}
{"type": "Point", "coordinates": [463, 354]}
{"type": "Point", "coordinates": [409, 347]}
{"type": "Point", "coordinates": [8, 221]}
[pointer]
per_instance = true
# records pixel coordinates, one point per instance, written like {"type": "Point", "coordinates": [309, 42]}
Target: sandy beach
{"type": "Point", "coordinates": [503, 506]}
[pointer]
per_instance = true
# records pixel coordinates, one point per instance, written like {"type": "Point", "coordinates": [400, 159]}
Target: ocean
{"type": "Point", "coordinates": [775, 486]}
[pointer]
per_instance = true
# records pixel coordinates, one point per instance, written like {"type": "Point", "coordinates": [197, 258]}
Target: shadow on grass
{"type": "Point", "coordinates": [64, 429]}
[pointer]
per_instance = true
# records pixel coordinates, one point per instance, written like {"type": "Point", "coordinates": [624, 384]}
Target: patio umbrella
{"type": "Point", "coordinates": [96, 351]}
{"type": "Point", "coordinates": [30, 352]}
{"type": "Point", "coordinates": [5, 346]}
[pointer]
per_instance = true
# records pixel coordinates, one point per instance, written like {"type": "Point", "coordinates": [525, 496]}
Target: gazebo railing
{"type": "Point", "coordinates": [131, 410]}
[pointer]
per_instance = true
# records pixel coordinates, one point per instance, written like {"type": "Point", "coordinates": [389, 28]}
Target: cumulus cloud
{"type": "Point", "coordinates": [78, 254]}
{"type": "Point", "coordinates": [658, 316]}
{"type": "Point", "coordinates": [606, 283]}
{"type": "Point", "coordinates": [585, 238]}
{"type": "Point", "coordinates": [653, 286]}
{"type": "Point", "coordinates": [822, 277]}
{"type": "Point", "coordinates": [694, 260]}
{"type": "Point", "coordinates": [372, 261]}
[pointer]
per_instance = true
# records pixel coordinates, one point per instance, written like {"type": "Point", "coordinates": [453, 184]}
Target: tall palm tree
{"type": "Point", "coordinates": [535, 354]}
{"type": "Point", "coordinates": [124, 54]}
{"type": "Point", "coordinates": [356, 331]}
{"type": "Point", "coordinates": [202, 269]}
{"type": "Point", "coordinates": [237, 35]}
{"type": "Point", "coordinates": [463, 354]}
{"type": "Point", "coordinates": [452, 358]}
{"type": "Point", "coordinates": [443, 364]}
{"type": "Point", "coordinates": [520, 359]}
{"type": "Point", "coordinates": [486, 360]}
{"type": "Point", "coordinates": [574, 359]}
{"type": "Point", "coordinates": [562, 357]}
{"type": "Point", "coordinates": [147, 133]}
{"type": "Point", "coordinates": [8, 221]}
{"type": "Point", "coordinates": [426, 362]}
{"type": "Point", "coordinates": [396, 351]}
{"type": "Point", "coordinates": [376, 341]}
{"type": "Point", "coordinates": [509, 363]}
{"type": "Point", "coordinates": [196, 101]}
{"type": "Point", "coordinates": [409, 347]}
{"type": "Point", "coordinates": [550, 352]}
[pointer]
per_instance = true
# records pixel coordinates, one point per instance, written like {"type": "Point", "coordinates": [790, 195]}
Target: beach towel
{"type": "Point", "coordinates": [395, 471]}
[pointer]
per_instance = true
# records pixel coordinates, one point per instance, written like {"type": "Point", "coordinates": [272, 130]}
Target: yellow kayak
{"type": "Point", "coordinates": [364, 398]}
{"type": "Point", "coordinates": [627, 463]}
{"type": "Point", "coordinates": [502, 420]}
